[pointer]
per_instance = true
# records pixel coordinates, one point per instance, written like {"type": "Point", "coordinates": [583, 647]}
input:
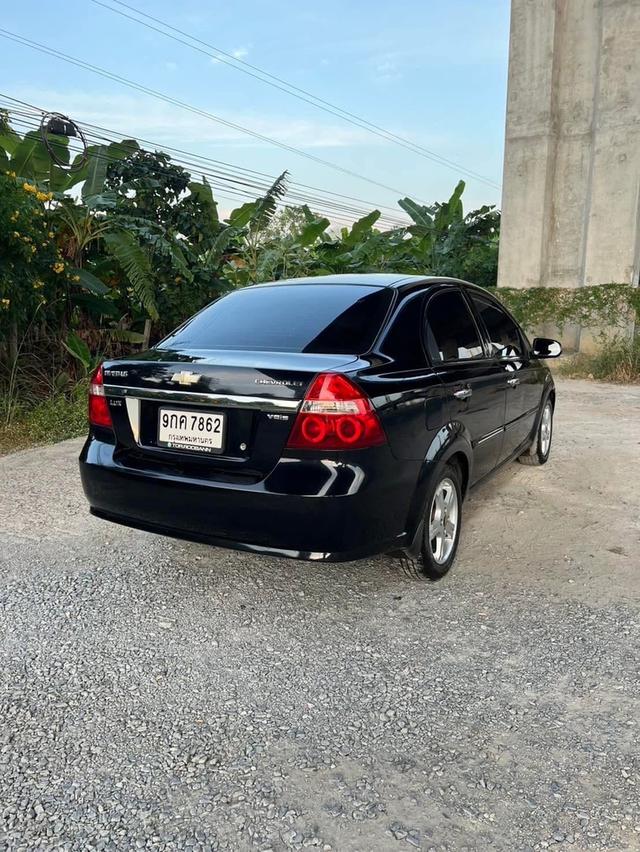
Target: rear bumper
{"type": "Point", "coordinates": [357, 507]}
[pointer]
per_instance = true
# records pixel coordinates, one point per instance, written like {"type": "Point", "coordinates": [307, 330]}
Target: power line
{"type": "Point", "coordinates": [335, 210]}
{"type": "Point", "coordinates": [229, 194]}
{"type": "Point", "coordinates": [243, 170]}
{"type": "Point", "coordinates": [290, 89]}
{"type": "Point", "coordinates": [18, 39]}
{"type": "Point", "coordinates": [240, 178]}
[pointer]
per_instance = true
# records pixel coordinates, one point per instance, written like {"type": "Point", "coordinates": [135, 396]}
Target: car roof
{"type": "Point", "coordinates": [397, 281]}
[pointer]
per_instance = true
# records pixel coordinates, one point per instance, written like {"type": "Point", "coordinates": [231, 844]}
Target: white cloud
{"type": "Point", "coordinates": [387, 69]}
{"type": "Point", "coordinates": [237, 53]}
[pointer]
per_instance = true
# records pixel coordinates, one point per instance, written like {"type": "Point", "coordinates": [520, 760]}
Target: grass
{"type": "Point", "coordinates": [617, 361]}
{"type": "Point", "coordinates": [51, 420]}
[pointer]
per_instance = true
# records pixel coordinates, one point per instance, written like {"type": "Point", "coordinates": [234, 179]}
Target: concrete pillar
{"type": "Point", "coordinates": [571, 191]}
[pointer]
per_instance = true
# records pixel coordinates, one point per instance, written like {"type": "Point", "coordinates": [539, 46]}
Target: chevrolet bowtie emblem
{"type": "Point", "coordinates": [185, 378]}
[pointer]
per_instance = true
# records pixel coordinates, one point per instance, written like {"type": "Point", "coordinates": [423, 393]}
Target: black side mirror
{"type": "Point", "coordinates": [546, 347]}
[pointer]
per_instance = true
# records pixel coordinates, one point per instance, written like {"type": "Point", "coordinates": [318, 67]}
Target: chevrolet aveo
{"type": "Point", "coordinates": [325, 418]}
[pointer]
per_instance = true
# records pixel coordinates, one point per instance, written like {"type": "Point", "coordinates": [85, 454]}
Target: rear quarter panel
{"type": "Point", "coordinates": [411, 406]}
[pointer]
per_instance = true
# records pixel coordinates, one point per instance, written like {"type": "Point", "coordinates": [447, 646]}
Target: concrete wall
{"type": "Point", "coordinates": [571, 191]}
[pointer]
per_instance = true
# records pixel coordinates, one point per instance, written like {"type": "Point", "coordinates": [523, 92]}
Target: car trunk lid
{"type": "Point", "coordinates": [253, 395]}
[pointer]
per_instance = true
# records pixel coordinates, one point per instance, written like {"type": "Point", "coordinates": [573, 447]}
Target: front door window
{"type": "Point", "coordinates": [504, 337]}
{"type": "Point", "coordinates": [451, 331]}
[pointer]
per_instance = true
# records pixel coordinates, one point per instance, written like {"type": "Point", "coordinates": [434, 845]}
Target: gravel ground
{"type": "Point", "coordinates": [162, 695]}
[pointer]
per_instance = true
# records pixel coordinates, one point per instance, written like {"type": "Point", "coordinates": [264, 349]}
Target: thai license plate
{"type": "Point", "coordinates": [180, 429]}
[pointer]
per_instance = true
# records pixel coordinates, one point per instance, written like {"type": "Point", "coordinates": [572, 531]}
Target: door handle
{"type": "Point", "coordinates": [513, 382]}
{"type": "Point", "coordinates": [463, 393]}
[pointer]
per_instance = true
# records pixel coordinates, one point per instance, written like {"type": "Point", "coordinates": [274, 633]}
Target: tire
{"type": "Point", "coordinates": [541, 448]}
{"type": "Point", "coordinates": [438, 551]}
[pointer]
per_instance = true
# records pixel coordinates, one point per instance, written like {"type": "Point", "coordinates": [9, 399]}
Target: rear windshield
{"type": "Point", "coordinates": [322, 318]}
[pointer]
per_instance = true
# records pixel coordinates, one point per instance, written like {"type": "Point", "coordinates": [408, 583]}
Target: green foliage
{"type": "Point", "coordinates": [607, 309]}
{"type": "Point", "coordinates": [30, 263]}
{"type": "Point", "coordinates": [312, 228]}
{"type": "Point", "coordinates": [9, 139]}
{"type": "Point", "coordinates": [55, 418]}
{"type": "Point", "coordinates": [126, 250]}
{"type": "Point", "coordinates": [77, 347]}
{"type": "Point", "coordinates": [602, 306]}
{"type": "Point", "coordinates": [447, 242]}
{"type": "Point", "coordinates": [30, 157]}
{"type": "Point", "coordinates": [617, 360]}
{"type": "Point", "coordinates": [90, 282]}
{"type": "Point", "coordinates": [143, 241]}
{"type": "Point", "coordinates": [147, 185]}
{"type": "Point", "coordinates": [250, 224]}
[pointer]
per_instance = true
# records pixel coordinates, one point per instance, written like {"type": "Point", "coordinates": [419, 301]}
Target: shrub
{"type": "Point", "coordinates": [53, 419]}
{"type": "Point", "coordinates": [30, 261]}
{"type": "Point", "coordinates": [617, 361]}
{"type": "Point", "coordinates": [601, 306]}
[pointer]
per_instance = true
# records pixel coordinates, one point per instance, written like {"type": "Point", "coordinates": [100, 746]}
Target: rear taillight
{"type": "Point", "coordinates": [335, 415]}
{"type": "Point", "coordinates": [99, 414]}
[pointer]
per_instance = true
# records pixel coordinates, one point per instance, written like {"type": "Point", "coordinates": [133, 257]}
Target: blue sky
{"type": "Point", "coordinates": [434, 72]}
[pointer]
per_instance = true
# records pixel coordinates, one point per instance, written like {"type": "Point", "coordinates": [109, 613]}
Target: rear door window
{"type": "Point", "coordinates": [451, 332]}
{"type": "Point", "coordinates": [320, 318]}
{"type": "Point", "coordinates": [504, 336]}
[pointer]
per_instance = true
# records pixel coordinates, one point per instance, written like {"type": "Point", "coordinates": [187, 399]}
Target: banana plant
{"type": "Point", "coordinates": [76, 347]}
{"type": "Point", "coordinates": [250, 222]}
{"type": "Point", "coordinates": [28, 157]}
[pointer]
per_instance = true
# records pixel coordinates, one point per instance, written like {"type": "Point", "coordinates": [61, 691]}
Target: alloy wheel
{"type": "Point", "coordinates": [545, 429]}
{"type": "Point", "coordinates": [443, 521]}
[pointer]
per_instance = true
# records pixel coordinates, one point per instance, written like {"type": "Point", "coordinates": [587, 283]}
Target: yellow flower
{"type": "Point", "coordinates": [51, 235]}
{"type": "Point", "coordinates": [177, 279]}
{"type": "Point", "coordinates": [33, 249]}
{"type": "Point", "coordinates": [16, 234]}
{"type": "Point", "coordinates": [37, 285]}
{"type": "Point", "coordinates": [44, 196]}
{"type": "Point", "coordinates": [28, 187]}
{"type": "Point", "coordinates": [5, 303]}
{"type": "Point", "coordinates": [58, 267]}
{"type": "Point", "coordinates": [11, 174]}
{"type": "Point", "coordinates": [76, 278]}
{"type": "Point", "coordinates": [14, 216]}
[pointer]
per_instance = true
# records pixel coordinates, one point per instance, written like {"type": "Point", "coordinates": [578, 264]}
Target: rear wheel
{"type": "Point", "coordinates": [541, 448]}
{"type": "Point", "coordinates": [441, 533]}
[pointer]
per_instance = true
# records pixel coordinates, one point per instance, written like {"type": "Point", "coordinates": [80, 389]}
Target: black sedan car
{"type": "Point", "coordinates": [325, 418]}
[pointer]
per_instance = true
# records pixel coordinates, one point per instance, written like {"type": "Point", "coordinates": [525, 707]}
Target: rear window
{"type": "Point", "coordinates": [320, 318]}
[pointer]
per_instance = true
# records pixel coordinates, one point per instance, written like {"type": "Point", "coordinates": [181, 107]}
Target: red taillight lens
{"type": "Point", "coordinates": [99, 414]}
{"type": "Point", "coordinates": [335, 415]}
